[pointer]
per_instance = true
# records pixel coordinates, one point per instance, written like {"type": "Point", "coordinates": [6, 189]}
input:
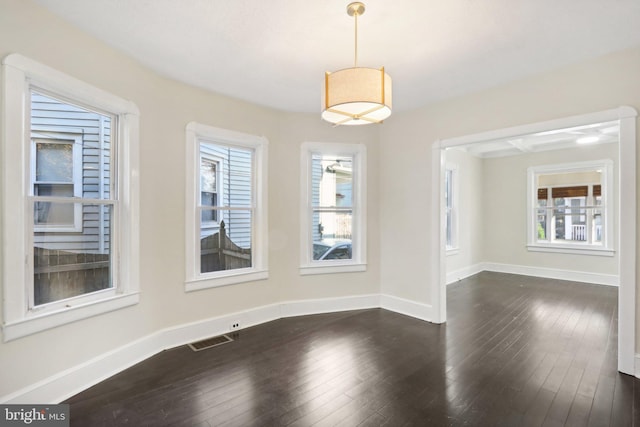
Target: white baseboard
{"type": "Point", "coordinates": [553, 273]}
{"type": "Point", "coordinates": [463, 273]}
{"type": "Point", "coordinates": [329, 305]}
{"type": "Point", "coordinates": [73, 380]}
{"type": "Point", "coordinates": [407, 307]}
{"type": "Point", "coordinates": [67, 383]}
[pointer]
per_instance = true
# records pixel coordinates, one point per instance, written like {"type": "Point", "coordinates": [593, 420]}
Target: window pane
{"type": "Point", "coordinates": [209, 199]}
{"type": "Point", "coordinates": [449, 228]}
{"type": "Point", "coordinates": [47, 213]}
{"type": "Point", "coordinates": [331, 181]}
{"type": "Point", "coordinates": [54, 162]}
{"type": "Point", "coordinates": [329, 249]}
{"type": "Point", "coordinates": [448, 200]}
{"type": "Point", "coordinates": [54, 214]}
{"type": "Point", "coordinates": [331, 225]}
{"type": "Point", "coordinates": [208, 189]}
{"type": "Point", "coordinates": [55, 124]}
{"type": "Point", "coordinates": [597, 225]}
{"type": "Point", "coordinates": [448, 188]}
{"type": "Point", "coordinates": [73, 264]}
{"type": "Point", "coordinates": [331, 235]}
{"type": "Point", "coordinates": [208, 175]}
{"type": "Point", "coordinates": [570, 223]}
{"type": "Point", "coordinates": [234, 174]}
{"type": "Point", "coordinates": [338, 251]}
{"type": "Point", "coordinates": [229, 246]}
{"type": "Point", "coordinates": [541, 227]}
{"type": "Point", "coordinates": [331, 187]}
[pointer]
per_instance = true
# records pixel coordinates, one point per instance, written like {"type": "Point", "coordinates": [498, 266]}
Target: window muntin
{"type": "Point", "coordinates": [36, 202]}
{"type": "Point", "coordinates": [332, 223]}
{"type": "Point", "coordinates": [572, 208]}
{"type": "Point", "coordinates": [226, 218]}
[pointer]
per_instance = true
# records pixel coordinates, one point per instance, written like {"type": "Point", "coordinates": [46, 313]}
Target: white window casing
{"type": "Point", "coordinates": [358, 261]}
{"type": "Point", "coordinates": [196, 134]}
{"type": "Point", "coordinates": [19, 75]}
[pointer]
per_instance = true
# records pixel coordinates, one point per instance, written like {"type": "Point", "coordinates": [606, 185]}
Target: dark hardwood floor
{"type": "Point", "coordinates": [516, 351]}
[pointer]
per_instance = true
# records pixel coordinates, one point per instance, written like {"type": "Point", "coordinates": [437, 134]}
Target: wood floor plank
{"type": "Point", "coordinates": [515, 351]}
{"type": "Point", "coordinates": [622, 406]}
{"type": "Point", "coordinates": [564, 397]}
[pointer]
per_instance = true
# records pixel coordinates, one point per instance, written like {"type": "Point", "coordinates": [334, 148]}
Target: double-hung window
{"type": "Point", "coordinates": [451, 208]}
{"type": "Point", "coordinates": [333, 227]}
{"type": "Point", "coordinates": [571, 208]}
{"type": "Point", "coordinates": [70, 170]}
{"type": "Point", "coordinates": [226, 207]}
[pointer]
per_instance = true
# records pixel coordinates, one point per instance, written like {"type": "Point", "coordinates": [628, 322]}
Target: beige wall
{"type": "Point", "coordinates": [166, 107]}
{"type": "Point", "coordinates": [492, 227]}
{"type": "Point", "coordinates": [399, 159]}
{"type": "Point", "coordinates": [505, 223]}
{"type": "Point", "coordinates": [406, 145]}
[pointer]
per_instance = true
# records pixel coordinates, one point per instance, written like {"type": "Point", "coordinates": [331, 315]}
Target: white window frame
{"type": "Point", "coordinates": [358, 261]}
{"type": "Point", "coordinates": [195, 280]}
{"type": "Point", "coordinates": [606, 247]}
{"type": "Point", "coordinates": [19, 75]}
{"type": "Point", "coordinates": [61, 138]}
{"type": "Point", "coordinates": [453, 247]}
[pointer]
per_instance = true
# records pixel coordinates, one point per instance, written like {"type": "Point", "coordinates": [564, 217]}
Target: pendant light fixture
{"type": "Point", "coordinates": [356, 96]}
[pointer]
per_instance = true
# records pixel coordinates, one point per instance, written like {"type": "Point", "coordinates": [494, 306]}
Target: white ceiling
{"type": "Point", "coordinates": [275, 52]}
{"type": "Point", "coordinates": [579, 136]}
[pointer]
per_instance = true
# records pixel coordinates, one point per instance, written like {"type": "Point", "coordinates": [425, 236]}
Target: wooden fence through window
{"type": "Point", "coordinates": [62, 274]}
{"type": "Point", "coordinates": [219, 253]}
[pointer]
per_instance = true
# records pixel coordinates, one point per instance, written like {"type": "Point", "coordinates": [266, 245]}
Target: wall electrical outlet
{"type": "Point", "coordinates": [235, 326]}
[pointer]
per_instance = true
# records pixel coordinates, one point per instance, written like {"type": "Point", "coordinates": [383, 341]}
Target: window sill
{"type": "Point", "coordinates": [40, 322]}
{"type": "Point", "coordinates": [307, 270]}
{"type": "Point", "coordinates": [453, 251]}
{"type": "Point", "coordinates": [571, 249]}
{"type": "Point", "coordinates": [201, 283]}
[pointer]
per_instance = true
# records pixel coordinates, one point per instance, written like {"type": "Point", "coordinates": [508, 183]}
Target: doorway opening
{"type": "Point", "coordinates": [537, 138]}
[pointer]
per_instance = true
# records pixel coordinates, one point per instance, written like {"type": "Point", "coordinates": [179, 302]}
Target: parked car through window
{"type": "Point", "coordinates": [332, 249]}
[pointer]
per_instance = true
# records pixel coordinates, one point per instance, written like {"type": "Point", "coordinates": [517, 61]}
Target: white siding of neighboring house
{"type": "Point", "coordinates": [316, 177]}
{"type": "Point", "coordinates": [51, 116]}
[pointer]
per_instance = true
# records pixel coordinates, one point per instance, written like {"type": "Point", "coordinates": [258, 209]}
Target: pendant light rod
{"type": "Point", "coordinates": [355, 55]}
{"type": "Point", "coordinates": [355, 9]}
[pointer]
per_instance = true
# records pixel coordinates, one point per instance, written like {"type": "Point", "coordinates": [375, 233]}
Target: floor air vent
{"type": "Point", "coordinates": [209, 342]}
